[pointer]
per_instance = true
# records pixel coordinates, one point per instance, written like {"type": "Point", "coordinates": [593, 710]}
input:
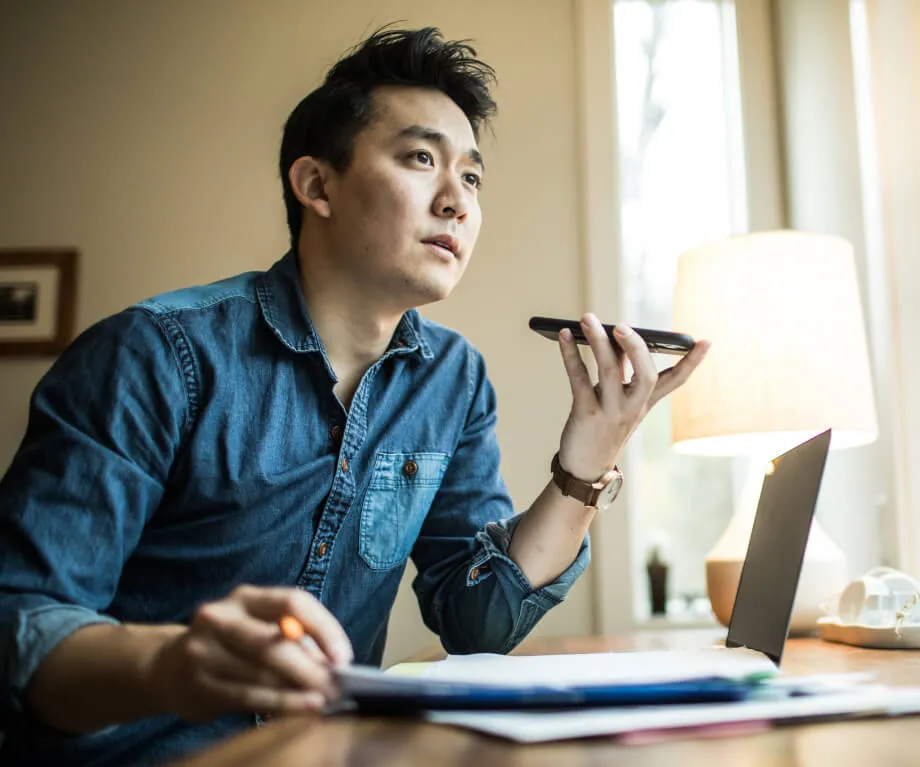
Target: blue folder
{"type": "Point", "coordinates": [368, 692]}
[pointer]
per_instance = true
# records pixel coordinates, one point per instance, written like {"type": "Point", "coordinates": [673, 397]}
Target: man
{"type": "Point", "coordinates": [301, 431]}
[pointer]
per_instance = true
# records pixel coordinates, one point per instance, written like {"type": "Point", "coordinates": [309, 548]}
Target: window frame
{"type": "Point", "coordinates": [617, 546]}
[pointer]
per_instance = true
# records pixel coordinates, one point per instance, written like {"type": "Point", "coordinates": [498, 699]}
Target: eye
{"type": "Point", "coordinates": [473, 180]}
{"type": "Point", "coordinates": [423, 157]}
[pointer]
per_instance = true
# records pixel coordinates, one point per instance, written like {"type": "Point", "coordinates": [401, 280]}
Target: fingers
{"type": "Point", "coordinates": [213, 659]}
{"type": "Point", "coordinates": [237, 696]}
{"type": "Point", "coordinates": [611, 365]}
{"type": "Point", "coordinates": [608, 366]}
{"type": "Point", "coordinates": [674, 377]}
{"type": "Point", "coordinates": [579, 379]}
{"type": "Point", "coordinates": [272, 604]}
{"type": "Point", "coordinates": [234, 626]}
{"type": "Point", "coordinates": [256, 642]}
{"type": "Point", "coordinates": [645, 374]}
{"type": "Point", "coordinates": [301, 668]}
{"type": "Point", "coordinates": [270, 663]}
{"type": "Point", "coordinates": [647, 384]}
{"type": "Point", "coordinates": [293, 629]}
{"type": "Point", "coordinates": [234, 657]}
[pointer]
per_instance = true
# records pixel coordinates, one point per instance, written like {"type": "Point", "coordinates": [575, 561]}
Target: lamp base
{"type": "Point", "coordinates": [820, 580]}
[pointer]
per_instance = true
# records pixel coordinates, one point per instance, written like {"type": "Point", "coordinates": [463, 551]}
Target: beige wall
{"type": "Point", "coordinates": [146, 134]}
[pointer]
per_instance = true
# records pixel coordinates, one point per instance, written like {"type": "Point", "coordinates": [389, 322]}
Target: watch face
{"type": "Point", "coordinates": [608, 494]}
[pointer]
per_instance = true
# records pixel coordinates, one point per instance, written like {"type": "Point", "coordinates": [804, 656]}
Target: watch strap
{"type": "Point", "coordinates": [586, 492]}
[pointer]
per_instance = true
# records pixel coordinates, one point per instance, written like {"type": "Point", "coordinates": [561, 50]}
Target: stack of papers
{"type": "Point", "coordinates": [551, 697]}
{"type": "Point", "coordinates": [487, 681]}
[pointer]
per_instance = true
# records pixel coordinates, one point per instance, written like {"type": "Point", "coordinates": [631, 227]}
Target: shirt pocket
{"type": "Point", "coordinates": [401, 490]}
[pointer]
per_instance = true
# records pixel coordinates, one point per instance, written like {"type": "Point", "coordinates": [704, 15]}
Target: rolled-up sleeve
{"type": "Point", "coordinates": [104, 425]}
{"type": "Point", "coordinates": [470, 591]}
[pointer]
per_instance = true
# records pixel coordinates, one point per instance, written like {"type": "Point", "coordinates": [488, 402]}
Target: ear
{"type": "Point", "coordinates": [308, 177]}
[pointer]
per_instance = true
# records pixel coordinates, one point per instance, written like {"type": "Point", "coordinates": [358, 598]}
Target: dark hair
{"type": "Point", "coordinates": [325, 123]}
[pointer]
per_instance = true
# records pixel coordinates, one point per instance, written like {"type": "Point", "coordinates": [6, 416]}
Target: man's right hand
{"type": "Point", "coordinates": [233, 657]}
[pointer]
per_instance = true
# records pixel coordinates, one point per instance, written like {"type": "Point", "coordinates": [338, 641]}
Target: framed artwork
{"type": "Point", "coordinates": [37, 300]}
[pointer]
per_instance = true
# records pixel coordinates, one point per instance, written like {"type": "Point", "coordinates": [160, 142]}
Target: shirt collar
{"type": "Point", "coordinates": [284, 309]}
{"type": "Point", "coordinates": [409, 336]}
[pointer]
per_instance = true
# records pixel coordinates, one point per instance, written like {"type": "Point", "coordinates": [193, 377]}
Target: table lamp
{"type": "Point", "coordinates": [789, 359]}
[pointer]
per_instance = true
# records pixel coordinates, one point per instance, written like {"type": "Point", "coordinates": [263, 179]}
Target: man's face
{"type": "Point", "coordinates": [404, 216]}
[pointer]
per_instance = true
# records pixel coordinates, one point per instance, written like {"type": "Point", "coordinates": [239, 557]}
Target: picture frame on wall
{"type": "Point", "coordinates": [37, 300]}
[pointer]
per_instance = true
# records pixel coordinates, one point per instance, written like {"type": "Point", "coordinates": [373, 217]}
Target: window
{"type": "Point", "coordinates": [681, 183]}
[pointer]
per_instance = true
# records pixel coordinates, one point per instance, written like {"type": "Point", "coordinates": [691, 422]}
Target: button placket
{"type": "Point", "coordinates": [345, 443]}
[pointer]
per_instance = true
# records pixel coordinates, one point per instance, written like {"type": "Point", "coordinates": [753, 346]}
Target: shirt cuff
{"type": "Point", "coordinates": [494, 541]}
{"type": "Point", "coordinates": [36, 633]}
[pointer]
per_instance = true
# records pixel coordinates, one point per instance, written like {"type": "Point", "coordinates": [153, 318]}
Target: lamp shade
{"type": "Point", "coordinates": [789, 356]}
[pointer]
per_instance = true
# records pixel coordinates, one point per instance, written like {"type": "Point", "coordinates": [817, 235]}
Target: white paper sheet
{"type": "Point", "coordinates": [601, 668]}
{"type": "Point", "coordinates": [541, 726]}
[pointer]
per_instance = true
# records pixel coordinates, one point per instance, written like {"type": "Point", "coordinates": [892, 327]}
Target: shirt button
{"type": "Point", "coordinates": [322, 549]}
{"type": "Point", "coordinates": [344, 464]}
{"type": "Point", "coordinates": [410, 468]}
{"type": "Point", "coordinates": [335, 432]}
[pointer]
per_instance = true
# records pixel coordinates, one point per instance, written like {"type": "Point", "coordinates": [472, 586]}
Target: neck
{"type": "Point", "coordinates": [354, 328]}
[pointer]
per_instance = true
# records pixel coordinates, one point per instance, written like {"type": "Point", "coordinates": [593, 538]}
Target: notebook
{"type": "Point", "coordinates": [757, 633]}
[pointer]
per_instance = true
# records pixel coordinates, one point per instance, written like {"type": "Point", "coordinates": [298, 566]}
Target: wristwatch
{"type": "Point", "coordinates": [597, 495]}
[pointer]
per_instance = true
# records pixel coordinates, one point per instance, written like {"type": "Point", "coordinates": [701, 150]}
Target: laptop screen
{"type": "Point", "coordinates": [770, 574]}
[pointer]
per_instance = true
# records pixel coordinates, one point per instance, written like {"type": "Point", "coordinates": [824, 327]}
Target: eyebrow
{"type": "Point", "coordinates": [436, 137]}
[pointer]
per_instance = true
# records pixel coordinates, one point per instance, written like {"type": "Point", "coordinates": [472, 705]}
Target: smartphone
{"type": "Point", "coordinates": [658, 341]}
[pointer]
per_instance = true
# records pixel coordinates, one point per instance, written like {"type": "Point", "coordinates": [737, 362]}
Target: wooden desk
{"type": "Point", "coordinates": [354, 741]}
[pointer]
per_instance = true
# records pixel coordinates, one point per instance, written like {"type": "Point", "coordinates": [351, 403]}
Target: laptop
{"type": "Point", "coordinates": [771, 569]}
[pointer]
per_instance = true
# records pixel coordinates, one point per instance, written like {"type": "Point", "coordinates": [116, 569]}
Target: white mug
{"type": "Point", "coordinates": [875, 598]}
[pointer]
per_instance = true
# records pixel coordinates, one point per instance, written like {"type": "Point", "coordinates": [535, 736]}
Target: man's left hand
{"type": "Point", "coordinates": [604, 415]}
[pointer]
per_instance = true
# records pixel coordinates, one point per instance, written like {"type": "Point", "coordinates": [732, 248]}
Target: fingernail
{"type": "Point", "coordinates": [565, 334]}
{"type": "Point", "coordinates": [623, 330]}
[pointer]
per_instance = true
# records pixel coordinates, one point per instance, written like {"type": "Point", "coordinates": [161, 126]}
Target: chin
{"type": "Point", "coordinates": [429, 293]}
{"type": "Point", "coordinates": [431, 297]}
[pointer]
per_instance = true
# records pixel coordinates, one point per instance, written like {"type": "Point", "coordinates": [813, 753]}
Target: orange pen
{"type": "Point", "coordinates": [293, 629]}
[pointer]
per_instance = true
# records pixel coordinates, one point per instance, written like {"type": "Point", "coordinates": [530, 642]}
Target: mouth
{"type": "Point", "coordinates": [445, 242]}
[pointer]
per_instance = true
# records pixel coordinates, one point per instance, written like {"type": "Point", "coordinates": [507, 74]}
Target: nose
{"type": "Point", "coordinates": [450, 200]}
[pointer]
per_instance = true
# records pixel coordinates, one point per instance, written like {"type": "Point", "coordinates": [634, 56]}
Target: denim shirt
{"type": "Point", "coordinates": [193, 442]}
